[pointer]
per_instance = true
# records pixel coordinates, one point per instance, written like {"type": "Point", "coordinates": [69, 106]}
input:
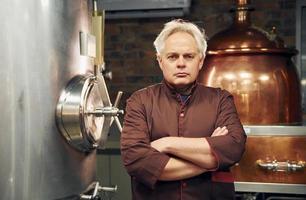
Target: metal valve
{"type": "Point", "coordinates": [281, 166]}
{"type": "Point", "coordinates": [96, 191]}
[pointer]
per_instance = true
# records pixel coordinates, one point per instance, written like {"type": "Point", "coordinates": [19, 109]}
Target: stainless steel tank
{"type": "Point", "coordinates": [39, 54]}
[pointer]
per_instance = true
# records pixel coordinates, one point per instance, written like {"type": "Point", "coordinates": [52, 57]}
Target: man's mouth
{"type": "Point", "coordinates": [181, 74]}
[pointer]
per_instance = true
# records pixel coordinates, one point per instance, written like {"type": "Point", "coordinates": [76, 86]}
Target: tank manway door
{"type": "Point", "coordinates": [84, 112]}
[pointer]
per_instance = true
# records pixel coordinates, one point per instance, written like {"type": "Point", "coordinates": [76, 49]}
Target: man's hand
{"type": "Point", "coordinates": [220, 131]}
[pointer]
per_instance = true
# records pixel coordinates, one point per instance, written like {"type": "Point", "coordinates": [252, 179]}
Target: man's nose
{"type": "Point", "coordinates": [181, 62]}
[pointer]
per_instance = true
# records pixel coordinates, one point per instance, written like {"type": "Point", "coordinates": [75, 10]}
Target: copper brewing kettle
{"type": "Point", "coordinates": [257, 69]}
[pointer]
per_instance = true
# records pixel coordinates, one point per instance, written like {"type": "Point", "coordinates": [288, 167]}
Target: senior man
{"type": "Point", "coordinates": [179, 137]}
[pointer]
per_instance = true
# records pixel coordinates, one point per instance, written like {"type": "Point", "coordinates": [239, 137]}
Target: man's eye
{"type": "Point", "coordinates": [171, 57]}
{"type": "Point", "coordinates": [189, 57]}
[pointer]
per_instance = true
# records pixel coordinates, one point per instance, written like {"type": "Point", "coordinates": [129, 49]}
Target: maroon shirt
{"type": "Point", "coordinates": [157, 111]}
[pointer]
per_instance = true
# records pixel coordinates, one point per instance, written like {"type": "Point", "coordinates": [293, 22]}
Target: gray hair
{"type": "Point", "coordinates": [179, 25]}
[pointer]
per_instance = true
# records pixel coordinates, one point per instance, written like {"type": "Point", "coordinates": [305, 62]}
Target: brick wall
{"type": "Point", "coordinates": [129, 51]}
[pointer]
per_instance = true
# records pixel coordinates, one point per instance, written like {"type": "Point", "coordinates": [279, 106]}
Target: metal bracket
{"type": "Point", "coordinates": [288, 166]}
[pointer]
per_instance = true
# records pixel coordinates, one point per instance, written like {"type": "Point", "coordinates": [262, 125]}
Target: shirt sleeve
{"type": "Point", "coordinates": [229, 148]}
{"type": "Point", "coordinates": [143, 163]}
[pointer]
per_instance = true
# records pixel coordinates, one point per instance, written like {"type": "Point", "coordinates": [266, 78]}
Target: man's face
{"type": "Point", "coordinates": [180, 60]}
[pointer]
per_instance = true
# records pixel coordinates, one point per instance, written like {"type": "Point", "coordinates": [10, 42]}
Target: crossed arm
{"type": "Point", "coordinates": [188, 156]}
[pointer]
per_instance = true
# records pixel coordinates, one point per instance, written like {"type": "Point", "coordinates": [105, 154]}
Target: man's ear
{"type": "Point", "coordinates": [201, 62]}
{"type": "Point", "coordinates": [159, 60]}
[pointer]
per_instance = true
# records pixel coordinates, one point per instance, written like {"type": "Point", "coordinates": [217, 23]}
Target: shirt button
{"type": "Point", "coordinates": [182, 115]}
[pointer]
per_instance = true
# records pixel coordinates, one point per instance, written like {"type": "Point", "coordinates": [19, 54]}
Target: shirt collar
{"type": "Point", "coordinates": [172, 90]}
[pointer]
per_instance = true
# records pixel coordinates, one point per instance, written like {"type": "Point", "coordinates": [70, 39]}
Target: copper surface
{"type": "Point", "coordinates": [269, 148]}
{"type": "Point", "coordinates": [257, 69]}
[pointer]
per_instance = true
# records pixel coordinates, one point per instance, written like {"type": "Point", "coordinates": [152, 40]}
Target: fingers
{"type": "Point", "coordinates": [220, 131]}
{"type": "Point", "coordinates": [215, 132]}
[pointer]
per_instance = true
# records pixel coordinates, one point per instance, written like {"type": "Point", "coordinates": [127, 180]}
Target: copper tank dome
{"type": "Point", "coordinates": [256, 67]}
